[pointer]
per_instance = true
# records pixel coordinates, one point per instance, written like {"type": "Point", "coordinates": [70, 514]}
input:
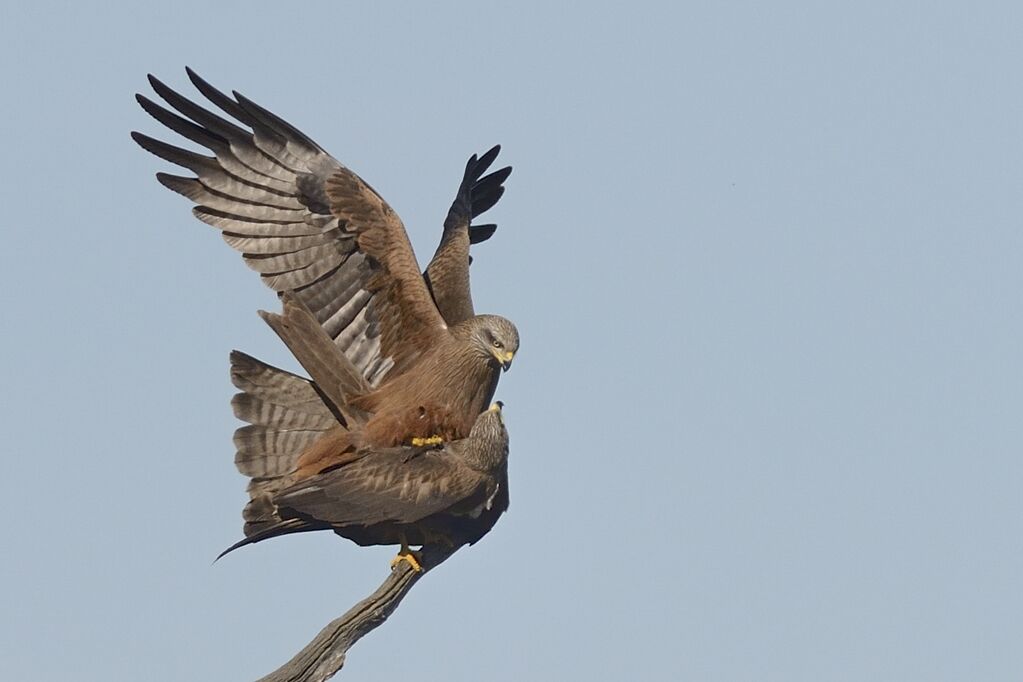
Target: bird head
{"type": "Point", "coordinates": [488, 440]}
{"type": "Point", "coordinates": [497, 338]}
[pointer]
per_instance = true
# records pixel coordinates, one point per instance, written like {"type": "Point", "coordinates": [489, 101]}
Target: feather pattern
{"type": "Point", "coordinates": [392, 495]}
{"type": "Point", "coordinates": [284, 412]}
{"type": "Point", "coordinates": [263, 187]}
{"type": "Point", "coordinates": [309, 225]}
{"type": "Point", "coordinates": [448, 272]}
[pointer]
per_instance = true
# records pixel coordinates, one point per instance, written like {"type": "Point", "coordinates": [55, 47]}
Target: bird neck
{"type": "Point", "coordinates": [487, 455]}
{"type": "Point", "coordinates": [464, 393]}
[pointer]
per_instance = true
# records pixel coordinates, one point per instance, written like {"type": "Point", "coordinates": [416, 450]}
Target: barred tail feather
{"type": "Point", "coordinates": [285, 415]}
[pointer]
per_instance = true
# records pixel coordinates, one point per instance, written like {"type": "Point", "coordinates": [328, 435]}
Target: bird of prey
{"type": "Point", "coordinates": [398, 495]}
{"type": "Point", "coordinates": [310, 226]}
{"type": "Point", "coordinates": [404, 495]}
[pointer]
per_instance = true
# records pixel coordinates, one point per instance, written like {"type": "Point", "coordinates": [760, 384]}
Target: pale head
{"type": "Point", "coordinates": [494, 337]}
{"type": "Point", "coordinates": [487, 444]}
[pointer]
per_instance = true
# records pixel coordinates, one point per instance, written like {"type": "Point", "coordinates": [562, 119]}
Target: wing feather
{"type": "Point", "coordinates": [448, 272]}
{"type": "Point", "coordinates": [290, 261]}
{"type": "Point", "coordinates": [251, 227]}
{"type": "Point", "coordinates": [383, 488]}
{"type": "Point", "coordinates": [274, 245]}
{"type": "Point", "coordinates": [266, 185]}
{"type": "Point", "coordinates": [265, 188]}
{"type": "Point", "coordinates": [329, 368]}
{"type": "Point", "coordinates": [232, 200]}
{"type": "Point", "coordinates": [408, 317]}
{"type": "Point", "coordinates": [285, 415]}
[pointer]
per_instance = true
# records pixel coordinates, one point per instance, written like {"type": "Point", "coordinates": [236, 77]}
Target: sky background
{"type": "Point", "coordinates": [766, 262]}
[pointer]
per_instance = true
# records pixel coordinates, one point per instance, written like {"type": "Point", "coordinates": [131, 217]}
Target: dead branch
{"type": "Point", "coordinates": [325, 655]}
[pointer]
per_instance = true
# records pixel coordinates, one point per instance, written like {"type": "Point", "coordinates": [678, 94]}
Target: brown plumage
{"type": "Point", "coordinates": [401, 495]}
{"type": "Point", "coordinates": [311, 226]}
{"type": "Point", "coordinates": [432, 399]}
{"type": "Point", "coordinates": [369, 494]}
{"type": "Point", "coordinates": [314, 228]}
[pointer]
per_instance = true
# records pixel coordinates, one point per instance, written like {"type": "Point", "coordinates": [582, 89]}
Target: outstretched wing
{"type": "Point", "coordinates": [407, 316]}
{"type": "Point", "coordinates": [265, 188]}
{"type": "Point", "coordinates": [448, 272]}
{"type": "Point", "coordinates": [386, 486]}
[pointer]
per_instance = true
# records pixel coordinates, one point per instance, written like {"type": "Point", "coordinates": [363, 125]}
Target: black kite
{"type": "Point", "coordinates": [403, 495]}
{"type": "Point", "coordinates": [372, 495]}
{"type": "Point", "coordinates": [312, 227]}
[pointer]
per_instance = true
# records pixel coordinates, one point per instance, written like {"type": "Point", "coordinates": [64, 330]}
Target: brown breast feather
{"type": "Point", "coordinates": [441, 396]}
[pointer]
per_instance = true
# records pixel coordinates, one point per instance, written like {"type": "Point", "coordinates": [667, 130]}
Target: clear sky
{"type": "Point", "coordinates": [765, 259]}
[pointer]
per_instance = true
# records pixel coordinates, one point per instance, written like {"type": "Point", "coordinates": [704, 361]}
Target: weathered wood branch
{"type": "Point", "coordinates": [325, 655]}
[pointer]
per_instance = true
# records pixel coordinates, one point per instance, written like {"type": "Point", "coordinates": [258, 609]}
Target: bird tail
{"type": "Point", "coordinates": [286, 527]}
{"type": "Point", "coordinates": [285, 415]}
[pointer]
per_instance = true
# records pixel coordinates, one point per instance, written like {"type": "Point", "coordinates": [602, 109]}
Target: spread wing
{"type": "Point", "coordinates": [448, 272]}
{"type": "Point", "coordinates": [346, 256]}
{"type": "Point", "coordinates": [384, 487]}
{"type": "Point", "coordinates": [408, 318]}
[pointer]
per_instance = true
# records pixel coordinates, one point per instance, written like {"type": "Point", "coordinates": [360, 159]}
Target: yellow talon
{"type": "Point", "coordinates": [414, 559]}
{"type": "Point", "coordinates": [432, 440]}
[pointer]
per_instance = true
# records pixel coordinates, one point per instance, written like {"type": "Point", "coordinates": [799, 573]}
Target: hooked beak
{"type": "Point", "coordinates": [503, 357]}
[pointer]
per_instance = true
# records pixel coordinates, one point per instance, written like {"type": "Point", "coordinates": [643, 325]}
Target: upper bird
{"type": "Point", "coordinates": [429, 365]}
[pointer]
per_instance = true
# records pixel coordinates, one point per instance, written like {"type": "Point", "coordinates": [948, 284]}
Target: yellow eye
{"type": "Point", "coordinates": [498, 344]}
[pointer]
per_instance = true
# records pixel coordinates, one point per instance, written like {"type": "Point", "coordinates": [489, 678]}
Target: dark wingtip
{"type": "Point", "coordinates": [501, 173]}
{"type": "Point", "coordinates": [489, 156]}
{"type": "Point", "coordinates": [167, 180]}
{"type": "Point", "coordinates": [242, 99]}
{"type": "Point", "coordinates": [195, 78]}
{"type": "Point", "coordinates": [478, 165]}
{"type": "Point", "coordinates": [145, 141]}
{"type": "Point", "coordinates": [469, 175]}
{"type": "Point", "coordinates": [198, 81]}
{"type": "Point", "coordinates": [481, 233]}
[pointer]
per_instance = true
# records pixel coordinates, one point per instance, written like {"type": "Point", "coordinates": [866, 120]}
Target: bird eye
{"type": "Point", "coordinates": [498, 344]}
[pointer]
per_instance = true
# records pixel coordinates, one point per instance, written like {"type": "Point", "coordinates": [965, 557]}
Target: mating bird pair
{"type": "Point", "coordinates": [390, 440]}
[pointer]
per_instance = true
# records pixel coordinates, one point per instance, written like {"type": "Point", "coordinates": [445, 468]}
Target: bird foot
{"type": "Point", "coordinates": [413, 559]}
{"type": "Point", "coordinates": [432, 440]}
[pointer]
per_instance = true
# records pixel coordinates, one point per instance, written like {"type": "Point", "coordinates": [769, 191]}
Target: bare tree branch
{"type": "Point", "coordinates": [323, 657]}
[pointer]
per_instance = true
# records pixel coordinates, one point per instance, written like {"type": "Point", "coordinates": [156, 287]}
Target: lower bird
{"type": "Point", "coordinates": [403, 495]}
{"type": "Point", "coordinates": [370, 493]}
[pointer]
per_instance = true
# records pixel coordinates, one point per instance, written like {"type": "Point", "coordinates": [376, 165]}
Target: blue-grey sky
{"type": "Point", "coordinates": [766, 264]}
